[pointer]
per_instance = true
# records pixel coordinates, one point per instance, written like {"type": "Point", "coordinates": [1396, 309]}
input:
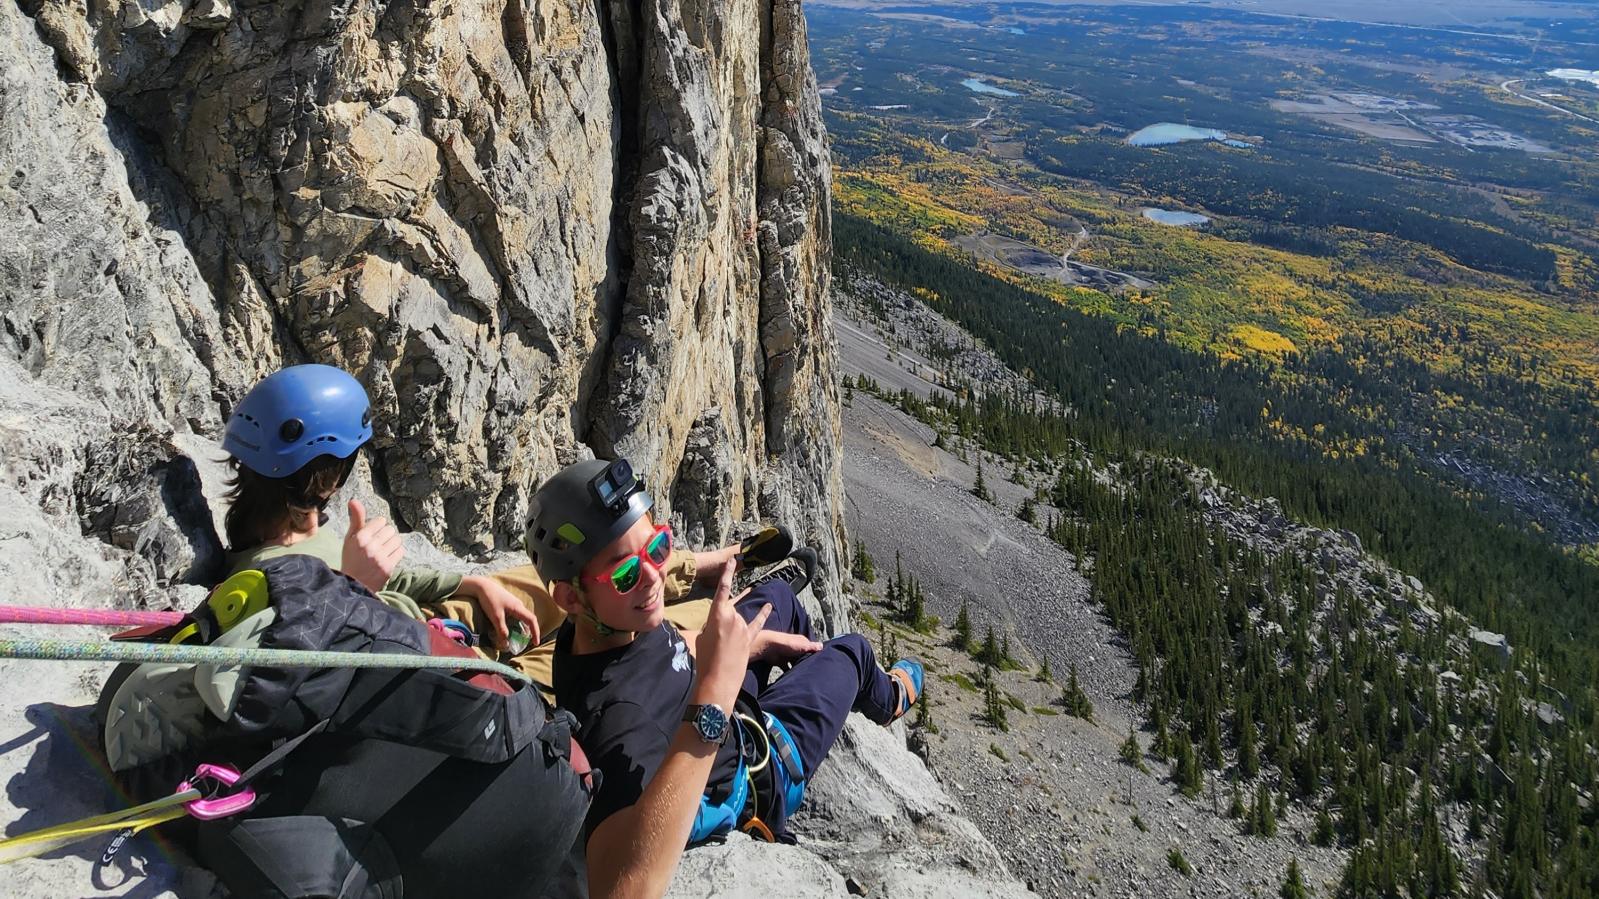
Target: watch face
{"type": "Point", "coordinates": [711, 723]}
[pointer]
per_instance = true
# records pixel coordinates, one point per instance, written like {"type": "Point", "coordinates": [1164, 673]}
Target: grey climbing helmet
{"type": "Point", "coordinates": [579, 512]}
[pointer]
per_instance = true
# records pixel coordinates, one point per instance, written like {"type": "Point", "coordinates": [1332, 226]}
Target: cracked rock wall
{"type": "Point", "coordinates": [535, 230]}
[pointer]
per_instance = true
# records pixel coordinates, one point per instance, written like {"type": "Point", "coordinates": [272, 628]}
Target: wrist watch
{"type": "Point", "coordinates": [709, 720]}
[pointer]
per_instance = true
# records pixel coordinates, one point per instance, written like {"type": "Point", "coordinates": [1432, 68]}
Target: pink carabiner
{"type": "Point", "coordinates": [221, 806]}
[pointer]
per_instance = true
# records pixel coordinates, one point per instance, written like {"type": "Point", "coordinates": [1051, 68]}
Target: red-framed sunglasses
{"type": "Point", "coordinates": [625, 576]}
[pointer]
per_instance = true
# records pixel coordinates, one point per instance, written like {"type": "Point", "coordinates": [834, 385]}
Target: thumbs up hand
{"type": "Point", "coordinates": [372, 549]}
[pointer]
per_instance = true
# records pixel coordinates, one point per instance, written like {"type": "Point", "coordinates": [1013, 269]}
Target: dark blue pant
{"type": "Point", "coordinates": [818, 693]}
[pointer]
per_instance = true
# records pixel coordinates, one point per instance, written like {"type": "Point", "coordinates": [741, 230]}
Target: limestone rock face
{"type": "Point", "coordinates": [877, 824]}
{"type": "Point", "coordinates": [743, 868]}
{"type": "Point", "coordinates": [535, 231]}
{"type": "Point", "coordinates": [108, 333]}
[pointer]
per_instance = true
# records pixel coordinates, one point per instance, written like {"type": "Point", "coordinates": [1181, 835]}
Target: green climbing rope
{"type": "Point", "coordinates": [97, 651]}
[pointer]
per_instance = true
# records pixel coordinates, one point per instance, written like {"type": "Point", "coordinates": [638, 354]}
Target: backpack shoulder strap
{"type": "Point", "coordinates": [435, 710]}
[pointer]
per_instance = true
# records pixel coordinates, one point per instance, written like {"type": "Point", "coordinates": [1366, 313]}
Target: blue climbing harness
{"type": "Point", "coordinates": [717, 819]}
{"type": "Point", "coordinates": [791, 771]}
{"type": "Point", "coordinates": [781, 785]}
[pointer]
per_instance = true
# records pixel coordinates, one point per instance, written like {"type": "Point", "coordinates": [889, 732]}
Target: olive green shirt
{"type": "Point", "coordinates": [406, 590]}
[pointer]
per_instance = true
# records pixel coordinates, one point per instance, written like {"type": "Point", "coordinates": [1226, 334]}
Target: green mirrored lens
{"type": "Point", "coordinates": [660, 547]}
{"type": "Point", "coordinates": [625, 577]}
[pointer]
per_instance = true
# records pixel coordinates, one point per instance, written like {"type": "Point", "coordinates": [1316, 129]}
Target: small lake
{"type": "Point", "coordinates": [1164, 133]}
{"type": "Point", "coordinates": [1590, 76]}
{"type": "Point", "coordinates": [982, 87]}
{"type": "Point", "coordinates": [1174, 217]}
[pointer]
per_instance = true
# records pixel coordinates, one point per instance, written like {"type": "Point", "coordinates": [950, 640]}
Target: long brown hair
{"type": "Point", "coordinates": [262, 508]}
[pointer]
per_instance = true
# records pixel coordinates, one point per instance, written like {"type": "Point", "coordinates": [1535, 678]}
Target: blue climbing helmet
{"type": "Point", "coordinates": [296, 415]}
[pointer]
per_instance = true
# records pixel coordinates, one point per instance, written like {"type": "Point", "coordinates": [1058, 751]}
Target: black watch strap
{"type": "Point", "coordinates": [692, 715]}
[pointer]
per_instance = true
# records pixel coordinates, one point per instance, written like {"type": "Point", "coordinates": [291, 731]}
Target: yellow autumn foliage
{"type": "Point", "coordinates": [1227, 297]}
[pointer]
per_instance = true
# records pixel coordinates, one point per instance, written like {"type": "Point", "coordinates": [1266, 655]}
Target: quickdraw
{"type": "Point", "coordinates": [205, 795]}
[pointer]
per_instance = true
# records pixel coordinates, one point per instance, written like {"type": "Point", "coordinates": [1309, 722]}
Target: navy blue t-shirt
{"type": "Point", "coordinates": [629, 703]}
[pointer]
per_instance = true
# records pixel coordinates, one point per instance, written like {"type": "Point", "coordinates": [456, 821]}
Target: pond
{"type": "Point", "coordinates": [1592, 77]}
{"type": "Point", "coordinates": [982, 87]}
{"type": "Point", "coordinates": [1174, 217]}
{"type": "Point", "coordinates": [1165, 133]}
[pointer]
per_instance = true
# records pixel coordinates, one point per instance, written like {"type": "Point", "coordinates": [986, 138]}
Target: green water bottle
{"type": "Point", "coordinates": [519, 637]}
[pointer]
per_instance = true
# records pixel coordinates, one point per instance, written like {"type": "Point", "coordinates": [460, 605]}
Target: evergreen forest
{"type": "Point", "coordinates": [1441, 767]}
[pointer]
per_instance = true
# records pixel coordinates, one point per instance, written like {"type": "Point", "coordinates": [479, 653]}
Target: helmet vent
{"type": "Point", "coordinates": [291, 430]}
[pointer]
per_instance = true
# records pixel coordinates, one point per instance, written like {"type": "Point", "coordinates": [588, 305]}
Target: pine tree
{"type": "Point", "coordinates": [924, 714]}
{"type": "Point", "coordinates": [1160, 748]}
{"type": "Point", "coordinates": [1027, 512]}
{"type": "Point", "coordinates": [963, 629]}
{"type": "Point", "coordinates": [896, 586]}
{"type": "Point", "coordinates": [1248, 758]}
{"type": "Point", "coordinates": [993, 704]}
{"type": "Point", "coordinates": [1294, 885]}
{"type": "Point", "coordinates": [1262, 817]}
{"type": "Point", "coordinates": [1322, 834]}
{"type": "Point", "coordinates": [989, 653]}
{"type": "Point", "coordinates": [1190, 779]}
{"type": "Point", "coordinates": [1045, 676]}
{"type": "Point", "coordinates": [914, 606]}
{"type": "Point", "coordinates": [1131, 753]}
{"type": "Point", "coordinates": [1074, 699]}
{"type": "Point", "coordinates": [1235, 808]}
{"type": "Point", "coordinates": [861, 567]}
{"type": "Point", "coordinates": [1212, 742]}
{"type": "Point", "coordinates": [979, 486]}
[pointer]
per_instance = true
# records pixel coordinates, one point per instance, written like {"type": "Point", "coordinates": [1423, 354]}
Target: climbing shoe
{"type": "Point", "coordinates": [797, 572]}
{"type": "Point", "coordinates": [768, 546]}
{"type": "Point", "coordinates": [907, 675]}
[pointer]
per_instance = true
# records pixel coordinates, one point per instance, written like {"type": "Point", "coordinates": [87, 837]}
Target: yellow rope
{"type": "Point", "coordinates": [138, 818]}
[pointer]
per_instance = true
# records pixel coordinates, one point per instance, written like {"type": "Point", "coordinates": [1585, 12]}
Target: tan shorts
{"type": "Point", "coordinates": [537, 662]}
